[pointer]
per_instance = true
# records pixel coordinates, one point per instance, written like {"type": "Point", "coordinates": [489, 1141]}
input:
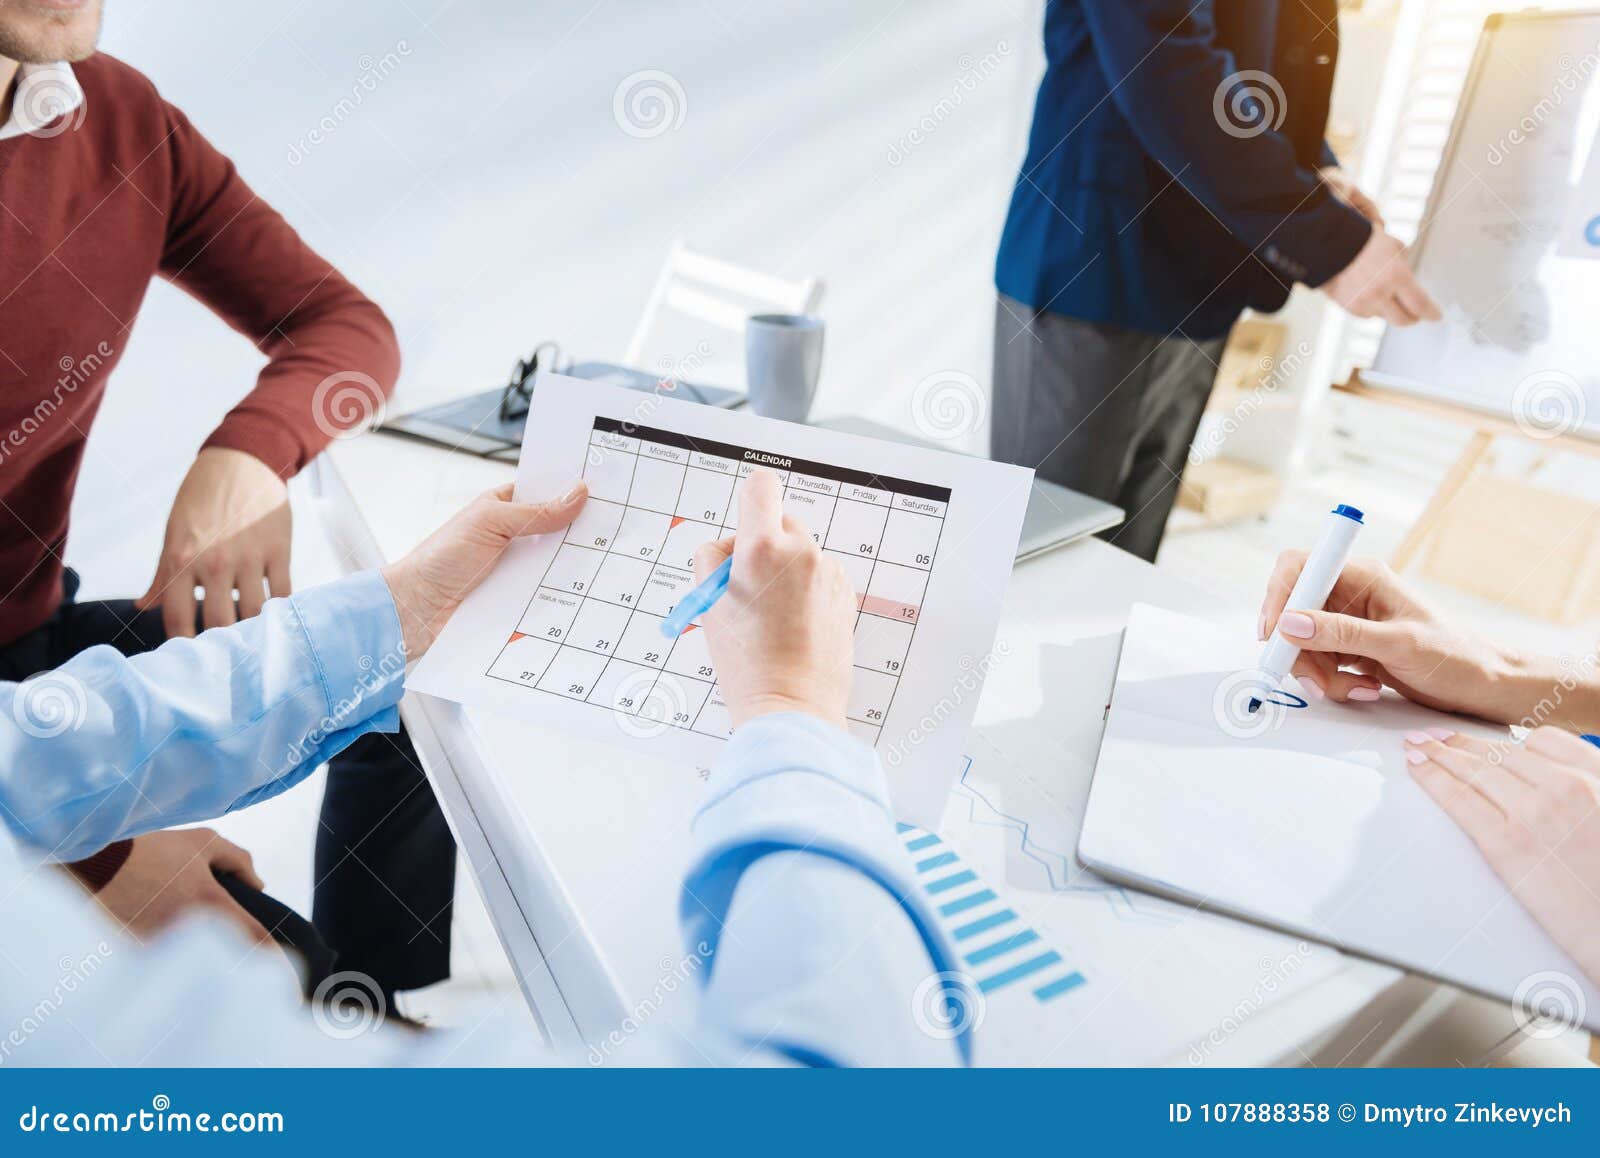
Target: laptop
{"type": "Point", "coordinates": [1055, 517]}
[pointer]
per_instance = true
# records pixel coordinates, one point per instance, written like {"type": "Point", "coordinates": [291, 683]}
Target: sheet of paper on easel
{"type": "Point", "coordinates": [1302, 818]}
{"type": "Point", "coordinates": [567, 630]}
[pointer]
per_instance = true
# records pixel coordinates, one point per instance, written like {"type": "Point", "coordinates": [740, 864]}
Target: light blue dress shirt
{"type": "Point", "coordinates": [817, 946]}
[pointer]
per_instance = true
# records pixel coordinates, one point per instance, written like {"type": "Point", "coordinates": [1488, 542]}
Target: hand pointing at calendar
{"type": "Point", "coordinates": [781, 637]}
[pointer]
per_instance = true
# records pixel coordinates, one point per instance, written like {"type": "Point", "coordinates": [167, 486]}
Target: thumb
{"type": "Point", "coordinates": [513, 519]}
{"type": "Point", "coordinates": [230, 908]}
{"type": "Point", "coordinates": [1330, 631]}
{"type": "Point", "coordinates": [710, 556]}
{"type": "Point", "coordinates": [230, 858]}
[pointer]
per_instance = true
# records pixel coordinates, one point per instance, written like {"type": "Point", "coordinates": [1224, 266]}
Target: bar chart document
{"type": "Point", "coordinates": [567, 629]}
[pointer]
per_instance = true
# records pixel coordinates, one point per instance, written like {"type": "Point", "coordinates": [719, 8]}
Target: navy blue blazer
{"type": "Point", "coordinates": [1157, 194]}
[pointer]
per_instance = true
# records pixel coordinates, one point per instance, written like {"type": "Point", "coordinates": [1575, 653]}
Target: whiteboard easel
{"type": "Point", "coordinates": [1509, 244]}
{"type": "Point", "coordinates": [1501, 214]}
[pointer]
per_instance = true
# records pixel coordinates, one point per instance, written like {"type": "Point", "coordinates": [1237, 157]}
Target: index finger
{"type": "Point", "coordinates": [1402, 306]}
{"type": "Point", "coordinates": [1285, 573]}
{"type": "Point", "coordinates": [1388, 308]}
{"type": "Point", "coordinates": [1564, 747]}
{"type": "Point", "coordinates": [710, 556]}
{"type": "Point", "coordinates": [761, 505]}
{"type": "Point", "coordinates": [1416, 299]}
{"type": "Point", "coordinates": [1461, 802]}
{"type": "Point", "coordinates": [177, 607]}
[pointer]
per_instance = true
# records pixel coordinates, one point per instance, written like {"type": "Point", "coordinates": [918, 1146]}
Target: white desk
{"type": "Point", "coordinates": [578, 847]}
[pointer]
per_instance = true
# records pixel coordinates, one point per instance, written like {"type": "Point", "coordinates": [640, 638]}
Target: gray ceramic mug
{"type": "Point", "coordinates": [783, 358]}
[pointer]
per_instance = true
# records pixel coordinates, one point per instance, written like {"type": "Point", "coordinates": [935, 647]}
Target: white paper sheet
{"type": "Point", "coordinates": [1303, 818]}
{"type": "Point", "coordinates": [566, 629]}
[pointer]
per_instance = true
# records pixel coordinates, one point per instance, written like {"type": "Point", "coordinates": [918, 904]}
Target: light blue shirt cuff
{"type": "Point", "coordinates": [357, 656]}
{"type": "Point", "coordinates": [790, 782]}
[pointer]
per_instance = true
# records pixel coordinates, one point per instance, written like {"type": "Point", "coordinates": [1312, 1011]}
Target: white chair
{"type": "Point", "coordinates": [692, 327]}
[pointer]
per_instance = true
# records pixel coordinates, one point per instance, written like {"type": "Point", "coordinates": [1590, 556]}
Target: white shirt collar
{"type": "Point", "coordinates": [44, 93]}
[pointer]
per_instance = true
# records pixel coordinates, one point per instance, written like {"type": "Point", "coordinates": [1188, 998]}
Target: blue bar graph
{"type": "Point", "coordinates": [982, 924]}
{"type": "Point", "coordinates": [971, 901]}
{"type": "Point", "coordinates": [1059, 986]}
{"type": "Point", "coordinates": [1018, 955]}
{"type": "Point", "coordinates": [1002, 947]}
{"type": "Point", "coordinates": [1018, 972]}
{"type": "Point", "coordinates": [945, 884]}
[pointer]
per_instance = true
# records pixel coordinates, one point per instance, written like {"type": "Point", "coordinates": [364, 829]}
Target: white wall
{"type": "Point", "coordinates": [483, 192]}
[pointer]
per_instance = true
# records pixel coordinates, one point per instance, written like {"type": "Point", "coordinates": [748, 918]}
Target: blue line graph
{"type": "Point", "coordinates": [999, 947]}
{"type": "Point", "coordinates": [1060, 868]}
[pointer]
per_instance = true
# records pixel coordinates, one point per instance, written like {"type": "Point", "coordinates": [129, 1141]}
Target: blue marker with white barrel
{"type": "Point", "coordinates": [1311, 591]}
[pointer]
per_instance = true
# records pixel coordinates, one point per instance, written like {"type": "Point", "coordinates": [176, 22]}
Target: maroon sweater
{"type": "Point", "coordinates": [126, 191]}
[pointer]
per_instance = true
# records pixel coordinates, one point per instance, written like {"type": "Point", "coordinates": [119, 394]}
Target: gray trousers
{"type": "Point", "coordinates": [1103, 410]}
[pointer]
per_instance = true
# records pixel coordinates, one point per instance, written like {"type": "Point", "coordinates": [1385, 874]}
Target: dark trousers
{"type": "Point", "coordinates": [1106, 411]}
{"type": "Point", "coordinates": [385, 861]}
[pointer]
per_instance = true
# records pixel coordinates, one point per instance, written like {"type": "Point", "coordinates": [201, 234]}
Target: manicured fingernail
{"type": "Point", "coordinates": [1261, 626]}
{"type": "Point", "coordinates": [1365, 695]}
{"type": "Point", "coordinates": [1296, 624]}
{"type": "Point", "coordinates": [1440, 734]}
{"type": "Point", "coordinates": [1313, 692]}
{"type": "Point", "coordinates": [1415, 757]}
{"type": "Point", "coordinates": [1417, 737]}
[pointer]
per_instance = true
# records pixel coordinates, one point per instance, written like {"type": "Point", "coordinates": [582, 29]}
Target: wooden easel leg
{"type": "Point", "coordinates": [1477, 449]}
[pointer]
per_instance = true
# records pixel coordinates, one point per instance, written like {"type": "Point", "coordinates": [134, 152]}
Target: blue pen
{"type": "Point", "coordinates": [699, 601]}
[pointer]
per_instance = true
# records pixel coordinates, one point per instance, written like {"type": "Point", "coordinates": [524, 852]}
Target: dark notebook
{"type": "Point", "coordinates": [490, 423]}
